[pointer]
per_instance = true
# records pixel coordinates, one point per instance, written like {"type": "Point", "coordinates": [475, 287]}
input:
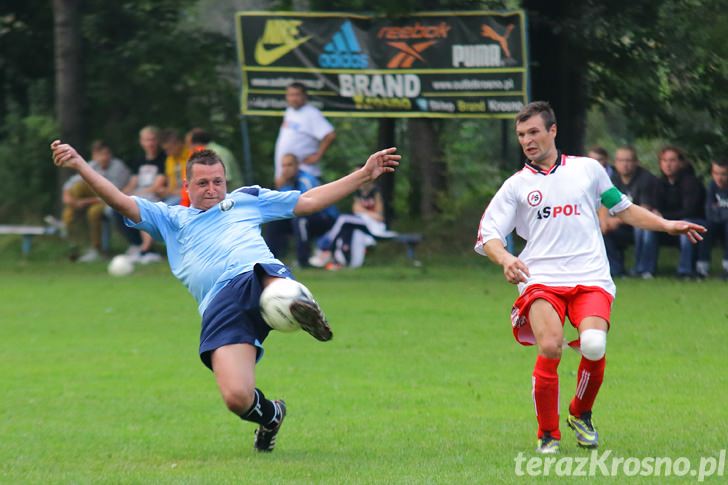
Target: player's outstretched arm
{"type": "Point", "coordinates": [65, 155]}
{"type": "Point", "coordinates": [640, 217]}
{"type": "Point", "coordinates": [318, 198]}
{"type": "Point", "coordinates": [514, 270]}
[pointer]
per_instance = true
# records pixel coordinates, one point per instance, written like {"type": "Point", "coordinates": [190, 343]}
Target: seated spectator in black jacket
{"type": "Point", "coordinates": [680, 195]}
{"type": "Point", "coordinates": [640, 186]}
{"type": "Point", "coordinates": [716, 215]}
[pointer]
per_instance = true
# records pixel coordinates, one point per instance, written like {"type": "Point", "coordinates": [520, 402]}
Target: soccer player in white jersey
{"type": "Point", "coordinates": [215, 249]}
{"type": "Point", "coordinates": [563, 271]}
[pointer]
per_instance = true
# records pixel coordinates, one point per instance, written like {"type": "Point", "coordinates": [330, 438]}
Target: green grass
{"type": "Point", "coordinates": [423, 383]}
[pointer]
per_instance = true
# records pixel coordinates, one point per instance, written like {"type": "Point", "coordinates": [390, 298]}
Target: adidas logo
{"type": "Point", "coordinates": [344, 51]}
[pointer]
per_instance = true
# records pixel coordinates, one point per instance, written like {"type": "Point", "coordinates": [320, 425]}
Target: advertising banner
{"type": "Point", "coordinates": [468, 64]}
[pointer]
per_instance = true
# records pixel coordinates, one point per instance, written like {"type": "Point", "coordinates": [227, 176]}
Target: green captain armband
{"type": "Point", "coordinates": [611, 197]}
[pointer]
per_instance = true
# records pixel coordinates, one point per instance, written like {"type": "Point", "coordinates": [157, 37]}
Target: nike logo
{"type": "Point", "coordinates": [265, 56]}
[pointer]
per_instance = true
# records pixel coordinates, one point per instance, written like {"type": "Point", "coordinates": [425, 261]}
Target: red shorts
{"type": "Point", "coordinates": [576, 302]}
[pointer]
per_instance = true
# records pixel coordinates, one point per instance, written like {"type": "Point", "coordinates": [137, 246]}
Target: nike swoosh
{"type": "Point", "coordinates": [265, 56]}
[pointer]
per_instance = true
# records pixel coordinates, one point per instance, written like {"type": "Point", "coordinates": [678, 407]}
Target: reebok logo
{"type": "Point", "coordinates": [279, 38]}
{"type": "Point", "coordinates": [416, 31]}
{"type": "Point", "coordinates": [408, 54]}
{"type": "Point", "coordinates": [344, 50]}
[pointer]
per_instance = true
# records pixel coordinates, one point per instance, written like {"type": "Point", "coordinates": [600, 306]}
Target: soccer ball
{"type": "Point", "coordinates": [275, 303]}
{"type": "Point", "coordinates": [121, 265]}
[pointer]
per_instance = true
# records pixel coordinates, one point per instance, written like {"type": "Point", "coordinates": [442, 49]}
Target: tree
{"type": "Point", "coordinates": [67, 62]}
{"type": "Point", "coordinates": [67, 37]}
{"type": "Point", "coordinates": [660, 61]}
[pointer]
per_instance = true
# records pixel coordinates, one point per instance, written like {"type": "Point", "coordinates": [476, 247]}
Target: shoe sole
{"type": "Point", "coordinates": [312, 320]}
{"type": "Point", "coordinates": [579, 443]}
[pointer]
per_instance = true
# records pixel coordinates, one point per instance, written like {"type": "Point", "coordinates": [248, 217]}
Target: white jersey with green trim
{"type": "Point", "coordinates": [556, 212]}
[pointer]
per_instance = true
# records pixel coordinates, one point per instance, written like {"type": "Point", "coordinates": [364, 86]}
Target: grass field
{"type": "Point", "coordinates": [423, 382]}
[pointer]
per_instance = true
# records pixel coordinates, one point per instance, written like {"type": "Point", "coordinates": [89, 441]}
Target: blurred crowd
{"type": "Point", "coordinates": [676, 192]}
{"type": "Point", "coordinates": [332, 240]}
{"type": "Point", "coordinates": [326, 239]}
{"type": "Point", "coordinates": [156, 174]}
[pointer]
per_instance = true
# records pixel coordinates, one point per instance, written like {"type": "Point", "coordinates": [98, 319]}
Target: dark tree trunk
{"type": "Point", "coordinates": [386, 139]}
{"type": "Point", "coordinates": [558, 70]}
{"type": "Point", "coordinates": [67, 36]}
{"type": "Point", "coordinates": [429, 171]}
{"type": "Point", "coordinates": [67, 46]}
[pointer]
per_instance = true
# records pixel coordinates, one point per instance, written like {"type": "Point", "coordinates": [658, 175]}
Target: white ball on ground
{"type": "Point", "coordinates": [121, 265]}
{"type": "Point", "coordinates": [276, 300]}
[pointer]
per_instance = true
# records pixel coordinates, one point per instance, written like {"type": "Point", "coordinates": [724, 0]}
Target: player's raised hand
{"type": "Point", "coordinates": [383, 161]}
{"type": "Point", "coordinates": [65, 155]}
{"type": "Point", "coordinates": [691, 230]}
{"type": "Point", "coordinates": [515, 270]}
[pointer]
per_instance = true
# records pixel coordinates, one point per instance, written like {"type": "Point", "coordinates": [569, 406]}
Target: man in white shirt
{"type": "Point", "coordinates": [304, 132]}
{"type": "Point", "coordinates": [563, 271]}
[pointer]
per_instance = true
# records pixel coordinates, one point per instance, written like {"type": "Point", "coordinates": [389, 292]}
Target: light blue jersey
{"type": "Point", "coordinates": [206, 249]}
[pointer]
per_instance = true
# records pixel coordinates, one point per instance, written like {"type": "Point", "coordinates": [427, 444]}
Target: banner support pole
{"type": "Point", "coordinates": [247, 157]}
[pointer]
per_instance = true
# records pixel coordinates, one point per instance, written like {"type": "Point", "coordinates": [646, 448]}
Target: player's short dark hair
{"type": "Point", "coordinates": [672, 148]}
{"type": "Point", "coordinates": [198, 136]}
{"type": "Point", "coordinates": [542, 108]}
{"type": "Point", "coordinates": [203, 157]}
{"type": "Point", "coordinates": [300, 86]}
{"type": "Point", "coordinates": [721, 162]}
{"type": "Point", "coordinates": [99, 145]}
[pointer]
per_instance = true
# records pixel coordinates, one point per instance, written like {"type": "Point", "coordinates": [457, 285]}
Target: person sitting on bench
{"type": "Point", "coordinates": [346, 242]}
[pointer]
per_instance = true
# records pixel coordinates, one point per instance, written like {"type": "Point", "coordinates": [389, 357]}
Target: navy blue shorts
{"type": "Point", "coordinates": [233, 316]}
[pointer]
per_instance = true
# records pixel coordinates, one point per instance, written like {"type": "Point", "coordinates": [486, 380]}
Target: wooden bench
{"type": "Point", "coordinates": [27, 234]}
{"type": "Point", "coordinates": [410, 240]}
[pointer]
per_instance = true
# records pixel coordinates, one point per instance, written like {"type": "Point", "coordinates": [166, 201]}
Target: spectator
{"type": "Point", "coordinates": [200, 139]}
{"type": "Point", "coordinates": [148, 182]}
{"type": "Point", "coordinates": [304, 229]}
{"type": "Point", "coordinates": [716, 215]}
{"type": "Point", "coordinates": [640, 187]}
{"type": "Point", "coordinates": [304, 133]}
{"type": "Point", "coordinates": [174, 166]}
{"type": "Point", "coordinates": [680, 195]}
{"type": "Point", "coordinates": [601, 155]}
{"type": "Point", "coordinates": [79, 199]}
{"type": "Point", "coordinates": [346, 242]}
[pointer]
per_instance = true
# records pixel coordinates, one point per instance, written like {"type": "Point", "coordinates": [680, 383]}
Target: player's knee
{"type": "Point", "coordinates": [238, 399]}
{"type": "Point", "coordinates": [551, 348]}
{"type": "Point", "coordinates": [593, 343]}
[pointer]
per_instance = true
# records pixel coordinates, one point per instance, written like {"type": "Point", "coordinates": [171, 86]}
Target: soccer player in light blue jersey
{"type": "Point", "coordinates": [216, 250]}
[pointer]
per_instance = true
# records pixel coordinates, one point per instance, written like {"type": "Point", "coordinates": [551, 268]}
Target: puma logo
{"type": "Point", "coordinates": [489, 33]}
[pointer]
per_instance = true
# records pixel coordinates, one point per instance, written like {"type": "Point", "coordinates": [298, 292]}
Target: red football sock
{"type": "Point", "coordinates": [546, 396]}
{"type": "Point", "coordinates": [588, 381]}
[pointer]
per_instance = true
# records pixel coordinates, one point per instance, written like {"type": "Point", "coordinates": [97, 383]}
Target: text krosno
{"type": "Point", "coordinates": [605, 464]}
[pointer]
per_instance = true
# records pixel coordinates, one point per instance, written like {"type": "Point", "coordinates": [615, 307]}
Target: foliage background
{"type": "Point", "coordinates": [653, 71]}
